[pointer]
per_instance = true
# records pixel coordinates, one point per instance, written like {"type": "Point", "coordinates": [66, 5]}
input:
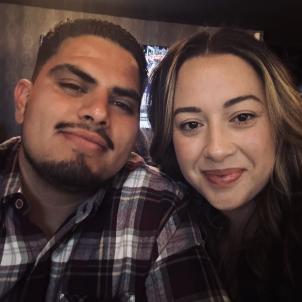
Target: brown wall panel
{"type": "Point", "coordinates": [21, 27]}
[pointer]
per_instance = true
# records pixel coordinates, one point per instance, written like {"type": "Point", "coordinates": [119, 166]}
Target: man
{"type": "Point", "coordinates": [83, 218]}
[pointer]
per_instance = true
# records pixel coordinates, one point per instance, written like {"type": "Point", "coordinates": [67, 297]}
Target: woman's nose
{"type": "Point", "coordinates": [219, 144]}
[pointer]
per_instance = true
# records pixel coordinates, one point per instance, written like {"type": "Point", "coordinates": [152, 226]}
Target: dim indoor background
{"type": "Point", "coordinates": [153, 22]}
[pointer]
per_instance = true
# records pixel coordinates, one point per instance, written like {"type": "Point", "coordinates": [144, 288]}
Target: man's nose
{"type": "Point", "coordinates": [95, 109]}
{"type": "Point", "coordinates": [219, 144]}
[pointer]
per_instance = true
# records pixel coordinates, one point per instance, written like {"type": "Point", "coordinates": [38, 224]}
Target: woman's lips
{"type": "Point", "coordinates": [223, 178]}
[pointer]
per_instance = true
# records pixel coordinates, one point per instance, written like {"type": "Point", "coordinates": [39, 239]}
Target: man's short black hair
{"type": "Point", "coordinates": [51, 42]}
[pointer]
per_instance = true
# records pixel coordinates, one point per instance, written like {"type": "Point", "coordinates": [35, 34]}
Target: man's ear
{"type": "Point", "coordinates": [21, 94]}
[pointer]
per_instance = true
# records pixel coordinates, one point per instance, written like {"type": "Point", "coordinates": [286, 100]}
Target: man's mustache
{"type": "Point", "coordinates": [98, 130]}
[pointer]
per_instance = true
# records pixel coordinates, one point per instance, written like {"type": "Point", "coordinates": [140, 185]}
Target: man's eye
{"type": "Point", "coordinates": [72, 87]}
{"type": "Point", "coordinates": [124, 105]}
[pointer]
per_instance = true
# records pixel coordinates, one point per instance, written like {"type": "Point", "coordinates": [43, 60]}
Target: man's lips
{"type": "Point", "coordinates": [223, 178]}
{"type": "Point", "coordinates": [85, 138]}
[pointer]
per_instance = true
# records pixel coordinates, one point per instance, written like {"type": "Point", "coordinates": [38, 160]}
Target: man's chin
{"type": "Point", "coordinates": [73, 176]}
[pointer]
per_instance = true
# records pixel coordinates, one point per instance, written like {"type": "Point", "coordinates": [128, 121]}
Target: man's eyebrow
{"type": "Point", "coordinates": [131, 93]}
{"type": "Point", "coordinates": [75, 70]}
{"type": "Point", "coordinates": [239, 99]}
{"type": "Point", "coordinates": [187, 110]}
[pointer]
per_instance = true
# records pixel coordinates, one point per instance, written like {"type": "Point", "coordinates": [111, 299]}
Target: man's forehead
{"type": "Point", "coordinates": [99, 58]}
{"type": "Point", "coordinates": [92, 45]}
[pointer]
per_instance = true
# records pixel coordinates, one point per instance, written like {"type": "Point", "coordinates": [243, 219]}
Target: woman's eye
{"type": "Point", "coordinates": [189, 126]}
{"type": "Point", "coordinates": [72, 87]}
{"type": "Point", "coordinates": [243, 118]}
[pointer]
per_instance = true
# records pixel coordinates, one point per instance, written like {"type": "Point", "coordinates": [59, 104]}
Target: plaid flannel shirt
{"type": "Point", "coordinates": [133, 241]}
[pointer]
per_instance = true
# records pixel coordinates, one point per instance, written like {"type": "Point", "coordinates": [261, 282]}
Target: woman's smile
{"type": "Point", "coordinates": [223, 178]}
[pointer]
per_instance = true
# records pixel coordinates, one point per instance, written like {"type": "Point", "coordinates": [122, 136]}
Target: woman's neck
{"type": "Point", "coordinates": [239, 218]}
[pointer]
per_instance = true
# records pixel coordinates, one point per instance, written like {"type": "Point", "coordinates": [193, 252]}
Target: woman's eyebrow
{"type": "Point", "coordinates": [239, 99]}
{"type": "Point", "coordinates": [187, 109]}
{"type": "Point", "coordinates": [227, 104]}
{"type": "Point", "coordinates": [75, 70]}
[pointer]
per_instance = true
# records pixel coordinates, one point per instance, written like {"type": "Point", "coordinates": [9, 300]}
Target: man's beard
{"type": "Point", "coordinates": [72, 176]}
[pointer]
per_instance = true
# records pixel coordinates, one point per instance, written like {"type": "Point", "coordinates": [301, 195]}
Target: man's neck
{"type": "Point", "coordinates": [49, 206]}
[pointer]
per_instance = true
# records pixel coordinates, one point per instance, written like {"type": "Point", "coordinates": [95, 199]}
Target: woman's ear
{"type": "Point", "coordinates": [21, 94]}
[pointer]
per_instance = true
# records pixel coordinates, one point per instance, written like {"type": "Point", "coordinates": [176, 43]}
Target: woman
{"type": "Point", "coordinates": [227, 120]}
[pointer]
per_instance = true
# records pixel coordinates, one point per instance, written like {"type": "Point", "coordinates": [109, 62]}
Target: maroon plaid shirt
{"type": "Point", "coordinates": [133, 241]}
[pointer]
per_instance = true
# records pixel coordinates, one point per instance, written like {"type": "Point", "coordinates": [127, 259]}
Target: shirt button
{"type": "Point", "coordinates": [62, 296]}
{"type": "Point", "coordinates": [19, 204]}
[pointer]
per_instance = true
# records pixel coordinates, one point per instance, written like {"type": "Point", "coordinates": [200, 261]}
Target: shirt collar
{"type": "Point", "coordinates": [10, 182]}
{"type": "Point", "coordinates": [90, 205]}
{"type": "Point", "coordinates": [10, 179]}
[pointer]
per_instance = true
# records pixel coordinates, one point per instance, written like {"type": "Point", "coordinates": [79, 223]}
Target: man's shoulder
{"type": "Point", "coordinates": [147, 195]}
{"type": "Point", "coordinates": [139, 175]}
{"type": "Point", "coordinates": [10, 144]}
{"type": "Point", "coordinates": [8, 150]}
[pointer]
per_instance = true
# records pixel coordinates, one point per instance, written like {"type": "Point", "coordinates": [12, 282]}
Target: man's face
{"type": "Point", "coordinates": [82, 111]}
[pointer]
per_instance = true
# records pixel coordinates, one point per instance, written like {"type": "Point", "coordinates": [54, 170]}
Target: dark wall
{"type": "Point", "coordinates": [17, 49]}
{"type": "Point", "coordinates": [21, 27]}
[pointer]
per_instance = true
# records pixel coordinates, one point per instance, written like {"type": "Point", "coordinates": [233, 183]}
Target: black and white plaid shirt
{"type": "Point", "coordinates": [133, 241]}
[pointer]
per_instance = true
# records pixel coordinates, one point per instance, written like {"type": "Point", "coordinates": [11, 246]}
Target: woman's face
{"type": "Point", "coordinates": [221, 133]}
